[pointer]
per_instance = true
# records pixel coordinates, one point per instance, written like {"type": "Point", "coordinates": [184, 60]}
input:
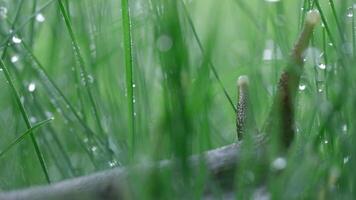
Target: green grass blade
{"type": "Point", "coordinates": [23, 135]}
{"type": "Point", "coordinates": [26, 119]}
{"type": "Point", "coordinates": [211, 64]}
{"type": "Point", "coordinates": [126, 24]}
{"type": "Point", "coordinates": [81, 64]}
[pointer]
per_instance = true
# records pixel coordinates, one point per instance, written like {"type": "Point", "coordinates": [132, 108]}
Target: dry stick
{"type": "Point", "coordinates": [115, 184]}
{"type": "Point", "coordinates": [281, 117]}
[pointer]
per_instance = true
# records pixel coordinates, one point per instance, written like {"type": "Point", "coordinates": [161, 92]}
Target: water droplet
{"type": "Point", "coordinates": [94, 148]}
{"type": "Point", "coordinates": [279, 163]}
{"type": "Point", "coordinates": [31, 87]}
{"type": "Point", "coordinates": [3, 12]}
{"type": "Point", "coordinates": [133, 85]}
{"type": "Point", "coordinates": [326, 142]}
{"type": "Point", "coordinates": [164, 43]}
{"type": "Point", "coordinates": [320, 90]}
{"type": "Point", "coordinates": [272, 1]}
{"type": "Point", "coordinates": [346, 159]}
{"type": "Point", "coordinates": [344, 127]}
{"type": "Point", "coordinates": [302, 87]}
{"type": "Point", "coordinates": [1, 69]}
{"type": "Point", "coordinates": [350, 13]}
{"type": "Point", "coordinates": [331, 44]}
{"type": "Point", "coordinates": [40, 18]}
{"type": "Point", "coordinates": [14, 59]}
{"type": "Point", "coordinates": [33, 120]}
{"type": "Point", "coordinates": [48, 114]}
{"type": "Point", "coordinates": [322, 66]}
{"type": "Point", "coordinates": [16, 39]}
{"type": "Point", "coordinates": [113, 163]}
{"type": "Point", "coordinates": [90, 79]}
{"type": "Point", "coordinates": [86, 140]}
{"type": "Point", "coordinates": [272, 51]}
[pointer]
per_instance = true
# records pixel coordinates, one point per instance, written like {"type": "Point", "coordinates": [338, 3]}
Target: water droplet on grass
{"type": "Point", "coordinates": [33, 120]}
{"type": "Point", "coordinates": [164, 43]}
{"type": "Point", "coordinates": [302, 87]}
{"type": "Point", "coordinates": [322, 66]}
{"type": "Point", "coordinates": [40, 18]}
{"type": "Point", "coordinates": [16, 39]}
{"type": "Point", "coordinates": [3, 12]}
{"type": "Point", "coordinates": [279, 163]}
{"type": "Point", "coordinates": [31, 87]}
{"type": "Point", "coordinates": [14, 59]}
{"type": "Point", "coordinates": [94, 149]}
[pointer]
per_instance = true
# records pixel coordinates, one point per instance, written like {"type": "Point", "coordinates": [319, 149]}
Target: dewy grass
{"type": "Point", "coordinates": [83, 72]}
{"type": "Point", "coordinates": [126, 25]}
{"type": "Point", "coordinates": [23, 135]}
{"type": "Point", "coordinates": [182, 109]}
{"type": "Point", "coordinates": [210, 63]}
{"type": "Point", "coordinates": [26, 119]}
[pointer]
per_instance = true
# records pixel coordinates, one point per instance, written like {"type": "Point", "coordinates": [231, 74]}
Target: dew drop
{"type": "Point", "coordinates": [31, 87]}
{"type": "Point", "coordinates": [344, 127]}
{"type": "Point", "coordinates": [16, 39]}
{"type": "Point", "coordinates": [272, 1]}
{"type": "Point", "coordinates": [346, 159]}
{"type": "Point", "coordinates": [164, 43]}
{"type": "Point", "coordinates": [14, 59]}
{"type": "Point", "coordinates": [3, 12]}
{"type": "Point", "coordinates": [40, 18]}
{"type": "Point", "coordinates": [322, 66]}
{"type": "Point", "coordinates": [279, 163]}
{"type": "Point", "coordinates": [94, 148]}
{"type": "Point", "coordinates": [350, 13]}
{"type": "Point", "coordinates": [113, 163]}
{"type": "Point", "coordinates": [33, 120]}
{"type": "Point", "coordinates": [302, 87]}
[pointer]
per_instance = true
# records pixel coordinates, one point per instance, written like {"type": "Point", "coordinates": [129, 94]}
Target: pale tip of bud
{"type": "Point", "coordinates": [313, 17]}
{"type": "Point", "coordinates": [243, 80]}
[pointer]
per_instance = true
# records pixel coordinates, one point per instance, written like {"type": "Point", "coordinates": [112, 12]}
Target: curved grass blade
{"type": "Point", "coordinates": [212, 66]}
{"type": "Point", "coordinates": [126, 22]}
{"type": "Point", "coordinates": [23, 135]}
{"type": "Point", "coordinates": [26, 119]}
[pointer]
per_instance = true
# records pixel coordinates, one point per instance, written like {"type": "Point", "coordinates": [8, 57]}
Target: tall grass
{"type": "Point", "coordinates": [135, 81]}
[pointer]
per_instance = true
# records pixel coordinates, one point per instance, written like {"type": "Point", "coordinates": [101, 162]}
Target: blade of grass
{"type": "Point", "coordinates": [23, 135]}
{"type": "Point", "coordinates": [81, 65]}
{"type": "Point", "coordinates": [26, 119]}
{"type": "Point", "coordinates": [29, 19]}
{"type": "Point", "coordinates": [211, 64]}
{"type": "Point", "coordinates": [126, 24]}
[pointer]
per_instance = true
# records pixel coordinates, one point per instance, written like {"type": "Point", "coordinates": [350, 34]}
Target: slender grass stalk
{"type": "Point", "coordinates": [26, 119]}
{"type": "Point", "coordinates": [81, 64]}
{"type": "Point", "coordinates": [23, 136]}
{"type": "Point", "coordinates": [353, 29]}
{"type": "Point", "coordinates": [325, 24]}
{"type": "Point", "coordinates": [39, 68]}
{"type": "Point", "coordinates": [211, 64]}
{"type": "Point", "coordinates": [32, 24]}
{"type": "Point", "coordinates": [126, 24]}
{"type": "Point", "coordinates": [21, 26]}
{"type": "Point", "coordinates": [338, 25]}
